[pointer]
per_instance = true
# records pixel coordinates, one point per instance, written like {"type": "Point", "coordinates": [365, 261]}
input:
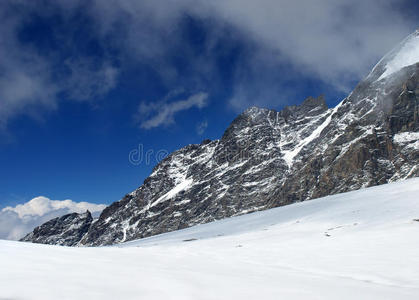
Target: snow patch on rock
{"type": "Point", "coordinates": [407, 138]}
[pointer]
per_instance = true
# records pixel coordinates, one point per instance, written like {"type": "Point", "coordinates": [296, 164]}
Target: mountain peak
{"type": "Point", "coordinates": [255, 111]}
{"type": "Point", "coordinates": [311, 103]}
{"type": "Point", "coordinates": [308, 105]}
{"type": "Point", "coordinates": [403, 55]}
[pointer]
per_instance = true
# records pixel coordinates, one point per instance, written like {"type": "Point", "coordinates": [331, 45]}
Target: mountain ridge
{"type": "Point", "coordinates": [269, 158]}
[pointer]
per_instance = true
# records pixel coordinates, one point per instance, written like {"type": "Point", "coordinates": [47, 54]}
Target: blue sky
{"type": "Point", "coordinates": [83, 83]}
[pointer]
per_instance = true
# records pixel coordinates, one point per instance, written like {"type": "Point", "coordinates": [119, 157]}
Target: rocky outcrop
{"type": "Point", "coordinates": [67, 230]}
{"type": "Point", "coordinates": [361, 145]}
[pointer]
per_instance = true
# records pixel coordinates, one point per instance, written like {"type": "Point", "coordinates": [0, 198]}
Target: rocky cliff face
{"type": "Point", "coordinates": [268, 158]}
{"type": "Point", "coordinates": [66, 230]}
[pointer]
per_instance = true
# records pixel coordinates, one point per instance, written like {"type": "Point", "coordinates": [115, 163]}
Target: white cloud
{"type": "Point", "coordinates": [32, 81]}
{"type": "Point", "coordinates": [328, 37]}
{"type": "Point", "coordinates": [336, 42]}
{"type": "Point", "coordinates": [201, 127]}
{"type": "Point", "coordinates": [164, 111]}
{"type": "Point", "coordinates": [17, 221]}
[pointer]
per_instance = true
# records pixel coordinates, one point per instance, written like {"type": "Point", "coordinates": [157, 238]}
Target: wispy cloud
{"type": "Point", "coordinates": [34, 79]}
{"type": "Point", "coordinates": [162, 113]}
{"type": "Point", "coordinates": [336, 42]}
{"type": "Point", "coordinates": [17, 221]}
{"type": "Point", "coordinates": [201, 127]}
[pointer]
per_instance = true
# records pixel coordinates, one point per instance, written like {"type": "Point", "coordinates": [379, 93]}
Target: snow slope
{"type": "Point", "coordinates": [405, 55]}
{"type": "Point", "coordinates": [358, 245]}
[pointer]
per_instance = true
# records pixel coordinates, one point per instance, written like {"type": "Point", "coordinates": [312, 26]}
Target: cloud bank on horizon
{"type": "Point", "coordinates": [17, 221]}
{"type": "Point", "coordinates": [336, 42]}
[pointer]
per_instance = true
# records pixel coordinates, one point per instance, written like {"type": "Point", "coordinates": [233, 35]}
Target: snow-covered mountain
{"type": "Point", "coordinates": [405, 54]}
{"type": "Point", "coordinates": [268, 158]}
{"type": "Point", "coordinates": [66, 230]}
{"type": "Point", "coordinates": [357, 245]}
{"type": "Point", "coordinates": [16, 222]}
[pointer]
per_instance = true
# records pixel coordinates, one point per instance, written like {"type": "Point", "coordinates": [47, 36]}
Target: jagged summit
{"type": "Point", "coordinates": [310, 107]}
{"type": "Point", "coordinates": [255, 110]}
{"type": "Point", "coordinates": [403, 55]}
{"type": "Point", "coordinates": [310, 104]}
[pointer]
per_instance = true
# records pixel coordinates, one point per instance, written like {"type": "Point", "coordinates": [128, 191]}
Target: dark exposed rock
{"type": "Point", "coordinates": [67, 230]}
{"type": "Point", "coordinates": [206, 141]}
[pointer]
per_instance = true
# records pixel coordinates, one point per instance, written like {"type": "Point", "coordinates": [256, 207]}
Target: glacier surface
{"type": "Point", "coordinates": [357, 245]}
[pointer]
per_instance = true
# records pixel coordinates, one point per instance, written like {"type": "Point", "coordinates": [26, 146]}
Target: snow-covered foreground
{"type": "Point", "coordinates": [358, 245]}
